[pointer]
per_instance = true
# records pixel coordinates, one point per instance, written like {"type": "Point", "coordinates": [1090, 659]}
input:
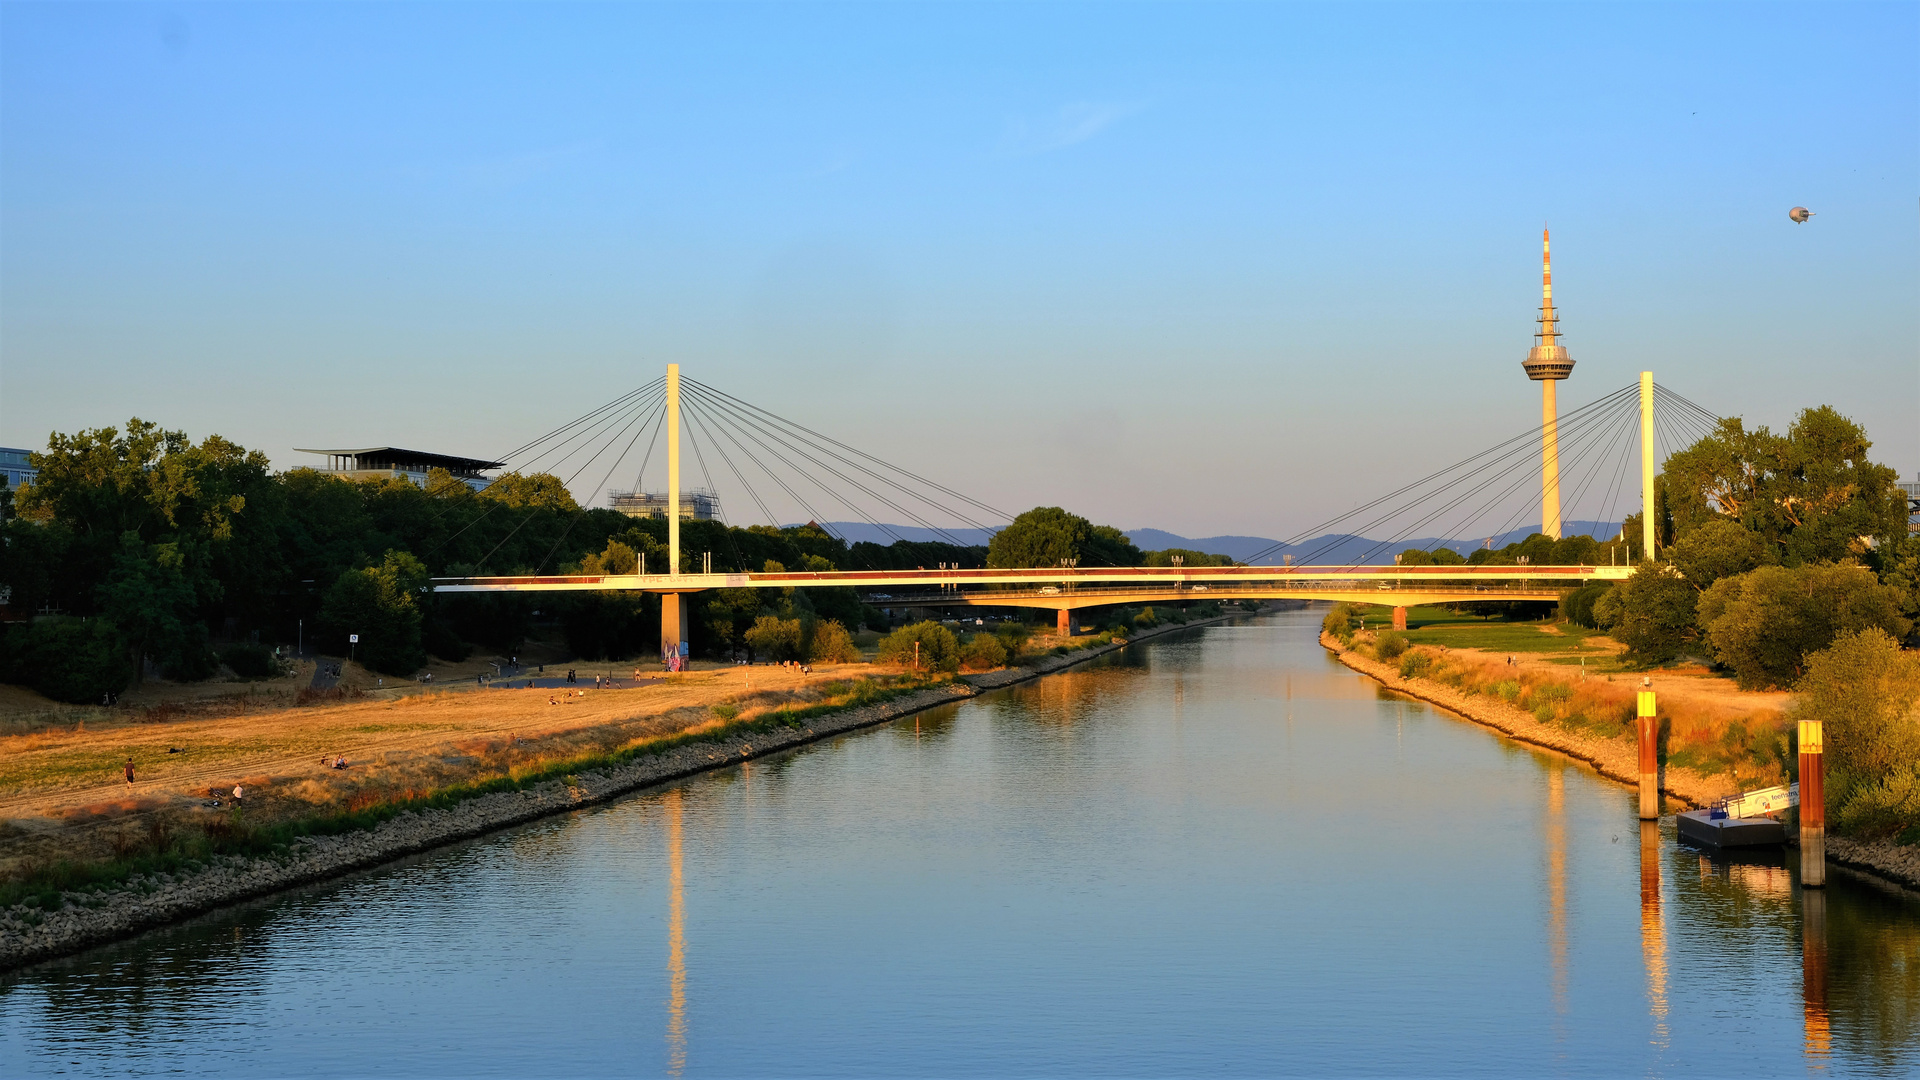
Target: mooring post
{"type": "Point", "coordinates": [1813, 807]}
{"type": "Point", "coordinates": [1649, 731]}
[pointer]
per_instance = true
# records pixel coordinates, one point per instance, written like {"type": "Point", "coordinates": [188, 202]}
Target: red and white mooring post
{"type": "Point", "coordinates": [1813, 806]}
{"type": "Point", "coordinates": [1649, 730]}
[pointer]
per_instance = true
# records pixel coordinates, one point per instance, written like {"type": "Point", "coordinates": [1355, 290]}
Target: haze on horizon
{"type": "Point", "coordinates": [1209, 270]}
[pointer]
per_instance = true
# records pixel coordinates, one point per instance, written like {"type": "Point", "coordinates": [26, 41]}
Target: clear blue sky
{"type": "Point", "coordinates": [1204, 268]}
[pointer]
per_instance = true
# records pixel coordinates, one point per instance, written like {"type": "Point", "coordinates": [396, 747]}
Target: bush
{"type": "Point", "coordinates": [1389, 645]}
{"type": "Point", "coordinates": [251, 661]}
{"type": "Point", "coordinates": [983, 652]}
{"type": "Point", "coordinates": [1764, 623]}
{"type": "Point", "coordinates": [1339, 623]}
{"type": "Point", "coordinates": [72, 660]}
{"type": "Point", "coordinates": [939, 649]}
{"type": "Point", "coordinates": [1866, 692]}
{"type": "Point", "coordinates": [1415, 664]}
{"type": "Point", "coordinates": [832, 644]}
{"type": "Point", "coordinates": [1884, 807]}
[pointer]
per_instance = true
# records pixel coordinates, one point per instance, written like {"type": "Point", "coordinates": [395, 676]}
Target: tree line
{"type": "Point", "coordinates": [137, 551]}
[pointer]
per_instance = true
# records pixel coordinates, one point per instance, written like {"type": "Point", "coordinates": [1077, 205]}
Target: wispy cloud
{"type": "Point", "coordinates": [1072, 123]}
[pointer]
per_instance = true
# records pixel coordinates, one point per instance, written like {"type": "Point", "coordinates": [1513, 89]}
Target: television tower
{"type": "Point", "coordinates": [1547, 364]}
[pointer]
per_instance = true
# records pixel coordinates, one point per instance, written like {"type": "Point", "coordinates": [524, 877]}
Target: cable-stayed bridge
{"type": "Point", "coordinates": [799, 468]}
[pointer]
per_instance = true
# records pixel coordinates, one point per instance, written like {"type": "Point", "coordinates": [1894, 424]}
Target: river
{"type": "Point", "coordinates": [1218, 852]}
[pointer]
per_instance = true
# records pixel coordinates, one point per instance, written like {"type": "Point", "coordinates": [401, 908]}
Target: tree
{"type": "Point", "coordinates": [938, 649]}
{"type": "Point", "coordinates": [1717, 549]}
{"type": "Point", "coordinates": [1865, 691]}
{"type": "Point", "coordinates": [380, 604]}
{"type": "Point", "coordinates": [831, 644]}
{"type": "Point", "coordinates": [543, 490]}
{"type": "Point", "coordinates": [1651, 613]}
{"type": "Point", "coordinates": [67, 659]}
{"type": "Point", "coordinates": [1810, 494]}
{"type": "Point", "coordinates": [775, 638]}
{"type": "Point", "coordinates": [1045, 535]}
{"type": "Point", "coordinates": [1900, 569]}
{"type": "Point", "coordinates": [149, 598]}
{"type": "Point", "coordinates": [1187, 556]}
{"type": "Point", "coordinates": [983, 652]}
{"type": "Point", "coordinates": [1763, 624]}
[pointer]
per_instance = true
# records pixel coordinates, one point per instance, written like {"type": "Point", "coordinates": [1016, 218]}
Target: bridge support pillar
{"type": "Point", "coordinates": [1399, 618]}
{"type": "Point", "coordinates": [1063, 622]}
{"type": "Point", "coordinates": [674, 608]}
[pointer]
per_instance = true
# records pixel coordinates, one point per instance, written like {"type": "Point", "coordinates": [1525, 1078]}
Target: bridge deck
{"type": "Point", "coordinates": [1048, 587]}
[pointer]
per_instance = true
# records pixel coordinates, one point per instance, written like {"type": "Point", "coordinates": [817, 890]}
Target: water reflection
{"type": "Point", "coordinates": [1813, 974]}
{"type": "Point", "coordinates": [1653, 931]}
{"type": "Point", "coordinates": [676, 938]}
{"type": "Point", "coordinates": [1557, 890]}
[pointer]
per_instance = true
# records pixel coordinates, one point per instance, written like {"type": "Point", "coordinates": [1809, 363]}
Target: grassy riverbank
{"type": "Point", "coordinates": [73, 825]}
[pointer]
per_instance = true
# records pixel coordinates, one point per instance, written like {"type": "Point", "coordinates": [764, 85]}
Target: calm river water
{"type": "Point", "coordinates": [1214, 853]}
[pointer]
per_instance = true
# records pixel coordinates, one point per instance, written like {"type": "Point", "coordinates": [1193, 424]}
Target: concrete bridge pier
{"type": "Point", "coordinates": [674, 608]}
{"type": "Point", "coordinates": [1063, 622]}
{"type": "Point", "coordinates": [1399, 618]}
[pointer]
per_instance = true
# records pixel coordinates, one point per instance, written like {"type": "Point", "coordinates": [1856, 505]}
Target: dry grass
{"type": "Point", "coordinates": [62, 788]}
{"type": "Point", "coordinates": [1708, 724]}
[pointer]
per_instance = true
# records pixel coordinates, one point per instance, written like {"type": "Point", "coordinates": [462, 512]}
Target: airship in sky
{"type": "Point", "coordinates": [1799, 214]}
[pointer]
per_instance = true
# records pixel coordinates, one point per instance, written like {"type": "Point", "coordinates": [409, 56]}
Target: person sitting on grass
{"type": "Point", "coordinates": [340, 762]}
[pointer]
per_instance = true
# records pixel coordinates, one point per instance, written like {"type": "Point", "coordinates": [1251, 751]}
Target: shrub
{"type": "Point", "coordinates": [251, 661]}
{"type": "Point", "coordinates": [1764, 623]}
{"type": "Point", "coordinates": [831, 644]}
{"type": "Point", "coordinates": [983, 652]}
{"type": "Point", "coordinates": [1390, 645]}
{"type": "Point", "coordinates": [73, 660]}
{"type": "Point", "coordinates": [1866, 692]}
{"type": "Point", "coordinates": [1884, 807]}
{"type": "Point", "coordinates": [939, 649]}
{"type": "Point", "coordinates": [1339, 623]}
{"type": "Point", "coordinates": [1415, 664]}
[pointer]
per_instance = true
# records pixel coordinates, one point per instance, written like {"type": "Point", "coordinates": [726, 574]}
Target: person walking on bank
{"type": "Point", "coordinates": [129, 772]}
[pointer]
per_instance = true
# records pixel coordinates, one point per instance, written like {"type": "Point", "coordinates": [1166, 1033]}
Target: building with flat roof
{"type": "Point", "coordinates": [699, 505]}
{"type": "Point", "coordinates": [14, 467]}
{"type": "Point", "coordinates": [391, 462]}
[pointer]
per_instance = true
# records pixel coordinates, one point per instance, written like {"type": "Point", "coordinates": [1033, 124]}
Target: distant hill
{"type": "Point", "coordinates": [1338, 547]}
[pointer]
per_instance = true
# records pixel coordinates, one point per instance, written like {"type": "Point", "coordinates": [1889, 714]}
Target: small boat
{"type": "Point", "coordinates": [1741, 821]}
{"type": "Point", "coordinates": [1701, 827]}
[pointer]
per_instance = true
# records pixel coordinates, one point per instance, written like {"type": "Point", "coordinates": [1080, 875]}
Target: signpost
{"type": "Point", "coordinates": [352, 640]}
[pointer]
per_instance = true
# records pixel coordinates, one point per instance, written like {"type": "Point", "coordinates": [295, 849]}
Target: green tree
{"type": "Point", "coordinates": [1865, 691]}
{"type": "Point", "coordinates": [1717, 549]}
{"type": "Point", "coordinates": [938, 649]}
{"type": "Point", "coordinates": [520, 491]}
{"type": "Point", "coordinates": [1651, 613]}
{"type": "Point", "coordinates": [1763, 624]}
{"type": "Point", "coordinates": [775, 638]}
{"type": "Point", "coordinates": [67, 659]}
{"type": "Point", "coordinates": [1045, 535]}
{"type": "Point", "coordinates": [1810, 494]}
{"type": "Point", "coordinates": [149, 597]}
{"type": "Point", "coordinates": [381, 604]}
{"type": "Point", "coordinates": [983, 652]}
{"type": "Point", "coordinates": [831, 644]}
{"type": "Point", "coordinates": [1900, 569]}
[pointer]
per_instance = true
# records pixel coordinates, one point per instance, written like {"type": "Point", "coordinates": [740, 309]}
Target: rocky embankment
{"type": "Point", "coordinates": [28, 935]}
{"type": "Point", "coordinates": [1618, 759]}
